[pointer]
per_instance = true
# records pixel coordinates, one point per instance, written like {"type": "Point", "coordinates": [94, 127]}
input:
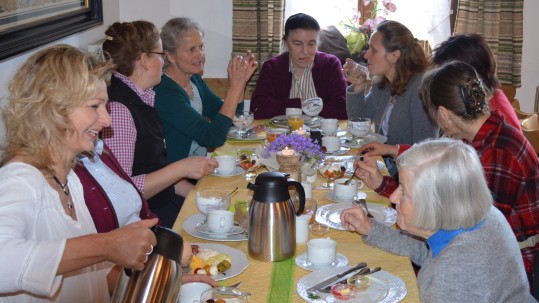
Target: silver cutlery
{"type": "Point", "coordinates": [347, 182]}
{"type": "Point", "coordinates": [235, 285]}
{"type": "Point", "coordinates": [337, 277]}
{"type": "Point", "coordinates": [247, 134]}
{"type": "Point", "coordinates": [363, 203]}
{"type": "Point", "coordinates": [363, 272]}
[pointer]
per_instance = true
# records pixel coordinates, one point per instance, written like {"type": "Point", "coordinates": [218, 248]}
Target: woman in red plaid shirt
{"type": "Point", "coordinates": [455, 99]}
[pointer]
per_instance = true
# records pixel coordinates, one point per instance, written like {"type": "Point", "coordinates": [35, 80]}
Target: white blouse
{"type": "Point", "coordinates": [33, 232]}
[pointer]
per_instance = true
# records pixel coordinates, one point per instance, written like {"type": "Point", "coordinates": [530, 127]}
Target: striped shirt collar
{"type": "Point", "coordinates": [303, 87]}
{"type": "Point", "coordinates": [147, 96]}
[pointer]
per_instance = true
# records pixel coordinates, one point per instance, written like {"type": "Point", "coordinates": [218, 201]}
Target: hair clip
{"type": "Point", "coordinates": [109, 38]}
{"type": "Point", "coordinates": [473, 96]}
{"type": "Point", "coordinates": [416, 41]}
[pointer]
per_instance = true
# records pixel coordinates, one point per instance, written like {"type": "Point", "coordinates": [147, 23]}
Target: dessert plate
{"type": "Point", "coordinates": [384, 288]}
{"type": "Point", "coordinates": [239, 260]}
{"type": "Point", "coordinates": [330, 214]}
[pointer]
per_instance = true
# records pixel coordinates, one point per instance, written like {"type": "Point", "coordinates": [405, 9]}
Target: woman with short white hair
{"type": "Point", "coordinates": [471, 253]}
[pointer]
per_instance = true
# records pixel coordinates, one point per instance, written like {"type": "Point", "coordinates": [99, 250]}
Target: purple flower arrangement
{"type": "Point", "coordinates": [306, 148]}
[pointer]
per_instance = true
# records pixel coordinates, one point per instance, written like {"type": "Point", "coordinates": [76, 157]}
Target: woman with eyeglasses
{"type": "Point", "coordinates": [136, 134]}
{"type": "Point", "coordinates": [193, 117]}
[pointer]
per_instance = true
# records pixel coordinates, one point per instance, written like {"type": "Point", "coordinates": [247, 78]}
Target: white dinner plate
{"type": "Point", "coordinates": [330, 214]}
{"type": "Point", "coordinates": [203, 228]}
{"type": "Point", "coordinates": [371, 137]}
{"type": "Point", "coordinates": [309, 121]}
{"type": "Point", "coordinates": [384, 288]}
{"type": "Point", "coordinates": [191, 223]}
{"type": "Point", "coordinates": [303, 262]}
{"type": "Point", "coordinates": [233, 134]}
{"type": "Point", "coordinates": [239, 260]}
{"type": "Point", "coordinates": [339, 152]}
{"type": "Point", "coordinates": [237, 171]}
{"type": "Point", "coordinates": [331, 196]}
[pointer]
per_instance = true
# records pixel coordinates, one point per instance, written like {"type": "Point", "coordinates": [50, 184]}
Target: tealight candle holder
{"type": "Point", "coordinates": [289, 163]}
{"type": "Point", "coordinates": [302, 132]}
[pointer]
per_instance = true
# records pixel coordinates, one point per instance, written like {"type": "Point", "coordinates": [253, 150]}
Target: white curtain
{"type": "Point", "coordinates": [427, 19]}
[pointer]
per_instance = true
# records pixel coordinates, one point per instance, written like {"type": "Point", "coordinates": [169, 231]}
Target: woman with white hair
{"type": "Point", "coordinates": [471, 253]}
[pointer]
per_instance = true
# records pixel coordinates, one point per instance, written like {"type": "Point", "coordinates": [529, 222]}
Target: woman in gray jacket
{"type": "Point", "coordinates": [470, 253]}
{"type": "Point", "coordinates": [396, 63]}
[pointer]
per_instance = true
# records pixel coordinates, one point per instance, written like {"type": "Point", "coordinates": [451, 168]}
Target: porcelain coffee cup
{"type": "Point", "coordinates": [331, 143]}
{"type": "Point", "coordinates": [349, 191]}
{"type": "Point", "coordinates": [329, 126]}
{"type": "Point", "coordinates": [190, 292]}
{"type": "Point", "coordinates": [293, 111]}
{"type": "Point", "coordinates": [220, 221]}
{"type": "Point", "coordinates": [227, 164]}
{"type": "Point", "coordinates": [321, 251]}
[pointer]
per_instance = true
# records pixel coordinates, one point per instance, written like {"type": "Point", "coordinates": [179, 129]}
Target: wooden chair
{"type": "Point", "coordinates": [530, 129]}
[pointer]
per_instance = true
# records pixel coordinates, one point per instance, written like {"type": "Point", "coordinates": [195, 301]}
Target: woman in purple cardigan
{"type": "Point", "coordinates": [299, 74]}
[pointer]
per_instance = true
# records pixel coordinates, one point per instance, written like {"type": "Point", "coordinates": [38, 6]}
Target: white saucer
{"type": "Point", "coordinates": [340, 152]}
{"type": "Point", "coordinates": [303, 262]}
{"type": "Point", "coordinates": [204, 229]}
{"type": "Point", "coordinates": [237, 171]}
{"type": "Point", "coordinates": [331, 196]}
{"type": "Point", "coordinates": [190, 224]}
{"type": "Point", "coordinates": [370, 137]}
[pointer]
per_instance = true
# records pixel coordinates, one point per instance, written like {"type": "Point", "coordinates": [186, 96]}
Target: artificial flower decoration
{"type": "Point", "coordinates": [360, 28]}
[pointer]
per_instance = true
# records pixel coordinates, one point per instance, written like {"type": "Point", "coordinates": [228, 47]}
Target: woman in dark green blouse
{"type": "Point", "coordinates": [193, 117]}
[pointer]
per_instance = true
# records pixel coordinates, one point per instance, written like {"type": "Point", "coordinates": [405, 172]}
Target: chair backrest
{"type": "Point", "coordinates": [530, 129]}
{"type": "Point", "coordinates": [522, 115]}
{"type": "Point", "coordinates": [531, 122]}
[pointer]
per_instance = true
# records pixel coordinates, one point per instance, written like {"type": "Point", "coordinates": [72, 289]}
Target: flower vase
{"type": "Point", "coordinates": [309, 178]}
{"type": "Point", "coordinates": [309, 168]}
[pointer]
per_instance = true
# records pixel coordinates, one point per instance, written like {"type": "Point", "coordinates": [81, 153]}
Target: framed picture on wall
{"type": "Point", "coordinates": [27, 24]}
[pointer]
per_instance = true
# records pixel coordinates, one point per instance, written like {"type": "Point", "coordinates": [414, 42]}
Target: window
{"type": "Point", "coordinates": [427, 19]}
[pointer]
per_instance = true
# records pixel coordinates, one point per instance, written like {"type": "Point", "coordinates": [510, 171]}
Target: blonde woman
{"type": "Point", "coordinates": [48, 242]}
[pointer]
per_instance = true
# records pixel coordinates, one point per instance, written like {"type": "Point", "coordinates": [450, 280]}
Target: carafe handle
{"type": "Point", "coordinates": [301, 192]}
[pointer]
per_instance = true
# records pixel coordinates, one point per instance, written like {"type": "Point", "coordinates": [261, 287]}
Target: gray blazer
{"type": "Point", "coordinates": [408, 122]}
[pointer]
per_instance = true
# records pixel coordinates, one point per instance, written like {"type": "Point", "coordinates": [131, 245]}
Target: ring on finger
{"type": "Point", "coordinates": [145, 259]}
{"type": "Point", "coordinates": [151, 250]}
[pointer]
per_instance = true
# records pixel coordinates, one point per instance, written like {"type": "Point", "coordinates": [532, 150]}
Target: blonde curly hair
{"type": "Point", "coordinates": [48, 87]}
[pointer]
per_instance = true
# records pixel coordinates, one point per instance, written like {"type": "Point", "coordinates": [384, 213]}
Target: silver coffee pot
{"type": "Point", "coordinates": [272, 217]}
{"type": "Point", "coordinates": [160, 280]}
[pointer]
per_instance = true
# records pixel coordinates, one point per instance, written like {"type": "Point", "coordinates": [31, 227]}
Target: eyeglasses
{"type": "Point", "coordinates": [158, 53]}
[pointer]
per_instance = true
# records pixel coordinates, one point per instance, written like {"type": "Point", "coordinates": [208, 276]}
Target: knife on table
{"type": "Point", "coordinates": [336, 277]}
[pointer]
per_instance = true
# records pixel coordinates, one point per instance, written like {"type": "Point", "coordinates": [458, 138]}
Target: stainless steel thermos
{"type": "Point", "coordinates": [160, 280]}
{"type": "Point", "coordinates": [272, 217]}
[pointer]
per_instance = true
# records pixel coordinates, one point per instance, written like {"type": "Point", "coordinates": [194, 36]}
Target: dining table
{"type": "Point", "coordinates": [277, 281]}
